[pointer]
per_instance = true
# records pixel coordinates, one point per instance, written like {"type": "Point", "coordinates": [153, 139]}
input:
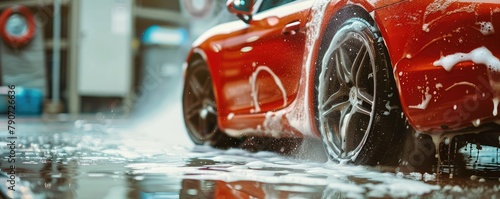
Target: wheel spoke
{"type": "Point", "coordinates": [329, 131]}
{"type": "Point", "coordinates": [333, 134]}
{"type": "Point", "coordinates": [344, 64]}
{"type": "Point", "coordinates": [351, 129]}
{"type": "Point", "coordinates": [357, 66]}
{"type": "Point", "coordinates": [336, 107]}
{"type": "Point", "coordinates": [194, 110]}
{"type": "Point", "coordinates": [334, 98]}
{"type": "Point", "coordinates": [344, 122]}
{"type": "Point", "coordinates": [196, 87]}
{"type": "Point", "coordinates": [212, 110]}
{"type": "Point", "coordinates": [211, 102]}
{"type": "Point", "coordinates": [207, 87]}
{"type": "Point", "coordinates": [340, 75]}
{"type": "Point", "coordinates": [363, 110]}
{"type": "Point", "coordinates": [365, 96]}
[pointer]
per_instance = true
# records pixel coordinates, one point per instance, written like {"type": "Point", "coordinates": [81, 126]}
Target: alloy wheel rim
{"type": "Point", "coordinates": [346, 96]}
{"type": "Point", "coordinates": [200, 109]}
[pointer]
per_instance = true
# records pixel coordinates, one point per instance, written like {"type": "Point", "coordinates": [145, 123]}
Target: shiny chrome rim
{"type": "Point", "coordinates": [346, 93]}
{"type": "Point", "coordinates": [199, 107]}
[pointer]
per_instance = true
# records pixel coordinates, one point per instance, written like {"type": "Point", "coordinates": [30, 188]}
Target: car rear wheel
{"type": "Point", "coordinates": [200, 109]}
{"type": "Point", "coordinates": [357, 106]}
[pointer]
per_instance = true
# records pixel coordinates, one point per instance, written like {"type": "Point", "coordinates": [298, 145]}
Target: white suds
{"type": "Point", "coordinates": [436, 139]}
{"type": "Point", "coordinates": [425, 27]}
{"type": "Point", "coordinates": [253, 81]}
{"type": "Point", "coordinates": [463, 84]}
{"type": "Point", "coordinates": [271, 126]}
{"type": "Point", "coordinates": [479, 55]}
{"type": "Point", "coordinates": [495, 105]}
{"type": "Point", "coordinates": [273, 122]}
{"type": "Point", "coordinates": [486, 28]}
{"type": "Point", "coordinates": [429, 177]}
{"type": "Point", "coordinates": [300, 113]}
{"type": "Point", "coordinates": [425, 101]}
{"type": "Point", "coordinates": [389, 108]}
{"type": "Point", "coordinates": [442, 7]}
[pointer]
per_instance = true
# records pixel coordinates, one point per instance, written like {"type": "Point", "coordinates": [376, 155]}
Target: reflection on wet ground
{"type": "Point", "coordinates": [103, 159]}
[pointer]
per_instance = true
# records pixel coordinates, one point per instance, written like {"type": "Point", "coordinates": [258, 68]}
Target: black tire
{"type": "Point", "coordinates": [357, 106]}
{"type": "Point", "coordinates": [200, 110]}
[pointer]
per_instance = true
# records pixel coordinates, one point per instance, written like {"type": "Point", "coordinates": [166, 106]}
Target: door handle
{"type": "Point", "coordinates": [291, 28]}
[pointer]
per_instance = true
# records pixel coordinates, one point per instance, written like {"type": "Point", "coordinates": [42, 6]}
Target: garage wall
{"type": "Point", "coordinates": [25, 67]}
{"type": "Point", "coordinates": [104, 48]}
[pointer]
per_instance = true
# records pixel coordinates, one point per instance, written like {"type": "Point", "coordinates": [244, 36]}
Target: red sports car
{"type": "Point", "coordinates": [353, 72]}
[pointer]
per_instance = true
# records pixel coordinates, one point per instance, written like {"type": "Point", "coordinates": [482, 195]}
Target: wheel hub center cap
{"type": "Point", "coordinates": [207, 108]}
{"type": "Point", "coordinates": [203, 113]}
{"type": "Point", "coordinates": [353, 96]}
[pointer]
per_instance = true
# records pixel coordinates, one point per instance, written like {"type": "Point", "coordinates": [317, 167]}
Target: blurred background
{"type": "Point", "coordinates": [119, 57]}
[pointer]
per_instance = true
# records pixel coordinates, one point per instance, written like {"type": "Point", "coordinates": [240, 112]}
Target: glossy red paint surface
{"type": "Point", "coordinates": [263, 72]}
{"type": "Point", "coordinates": [417, 39]}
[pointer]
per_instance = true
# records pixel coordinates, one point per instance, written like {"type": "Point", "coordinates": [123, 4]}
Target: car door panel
{"type": "Point", "coordinates": [269, 53]}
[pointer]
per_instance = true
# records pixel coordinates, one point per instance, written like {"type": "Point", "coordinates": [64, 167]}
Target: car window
{"type": "Point", "coordinates": [268, 4]}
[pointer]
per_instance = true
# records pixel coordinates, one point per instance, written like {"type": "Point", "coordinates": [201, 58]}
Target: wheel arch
{"type": "Point", "coordinates": [343, 14]}
{"type": "Point", "coordinates": [200, 54]}
{"type": "Point", "coordinates": [194, 55]}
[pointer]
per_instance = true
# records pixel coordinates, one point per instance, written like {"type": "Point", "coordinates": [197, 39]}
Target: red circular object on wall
{"type": "Point", "coordinates": [13, 40]}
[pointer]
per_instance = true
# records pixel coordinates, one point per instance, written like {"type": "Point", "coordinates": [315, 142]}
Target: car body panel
{"type": "Point", "coordinates": [433, 98]}
{"type": "Point", "coordinates": [249, 62]}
